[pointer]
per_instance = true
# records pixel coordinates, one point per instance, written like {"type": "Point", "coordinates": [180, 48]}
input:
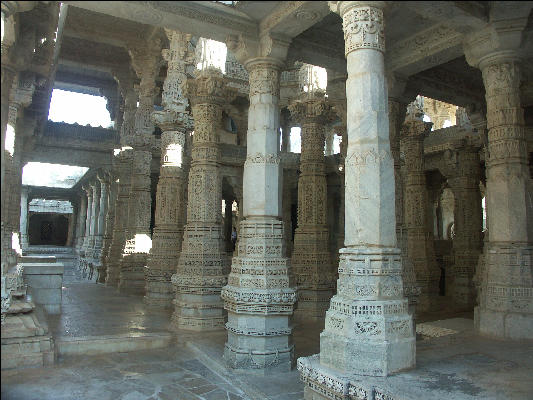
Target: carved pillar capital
{"type": "Point", "coordinates": [362, 23]}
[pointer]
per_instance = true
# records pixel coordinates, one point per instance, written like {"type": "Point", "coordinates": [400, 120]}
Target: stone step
{"type": "Point", "coordinates": [91, 345]}
{"type": "Point", "coordinates": [36, 259]}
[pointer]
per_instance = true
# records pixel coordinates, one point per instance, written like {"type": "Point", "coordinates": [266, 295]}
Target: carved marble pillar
{"type": "Point", "coordinates": [368, 330]}
{"type": "Point", "coordinates": [464, 174]}
{"type": "Point", "coordinates": [105, 181]}
{"type": "Point", "coordinates": [82, 217]}
{"type": "Point", "coordinates": [258, 297]}
{"type": "Point", "coordinates": [420, 249]}
{"type": "Point", "coordinates": [203, 265]}
{"type": "Point", "coordinates": [109, 221]}
{"type": "Point", "coordinates": [171, 197]}
{"type": "Point", "coordinates": [24, 218]}
{"type": "Point", "coordinates": [88, 216]}
{"type": "Point", "coordinates": [124, 160]}
{"type": "Point", "coordinates": [285, 125]}
{"type": "Point", "coordinates": [330, 135]}
{"type": "Point", "coordinates": [341, 130]}
{"type": "Point", "coordinates": [506, 301]}
{"type": "Point", "coordinates": [146, 62]}
{"type": "Point", "coordinates": [411, 290]}
{"type": "Point", "coordinates": [95, 211]}
{"type": "Point", "coordinates": [311, 260]}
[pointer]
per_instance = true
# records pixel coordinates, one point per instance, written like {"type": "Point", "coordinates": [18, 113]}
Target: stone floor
{"type": "Point", "coordinates": [452, 362]}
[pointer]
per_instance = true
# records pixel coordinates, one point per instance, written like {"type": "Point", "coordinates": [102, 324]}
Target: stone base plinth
{"type": "Point", "coordinates": [44, 284]}
{"type": "Point", "coordinates": [202, 312]}
{"type": "Point", "coordinates": [312, 305]}
{"type": "Point", "coordinates": [132, 273]}
{"type": "Point", "coordinates": [322, 383]}
{"type": "Point", "coordinates": [25, 342]}
{"type": "Point", "coordinates": [506, 300]}
{"type": "Point", "coordinates": [258, 362]}
{"type": "Point", "coordinates": [504, 325]}
{"type": "Point", "coordinates": [159, 289]}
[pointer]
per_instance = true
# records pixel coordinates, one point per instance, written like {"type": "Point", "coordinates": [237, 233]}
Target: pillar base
{"type": "Point", "coordinates": [203, 313]}
{"type": "Point", "coordinates": [312, 305]}
{"type": "Point", "coordinates": [506, 301]}
{"type": "Point", "coordinates": [159, 289]}
{"type": "Point", "coordinates": [132, 273]}
{"type": "Point", "coordinates": [264, 362]}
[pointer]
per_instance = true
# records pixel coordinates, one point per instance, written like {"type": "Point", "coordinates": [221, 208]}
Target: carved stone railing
{"type": "Point", "coordinates": [79, 132]}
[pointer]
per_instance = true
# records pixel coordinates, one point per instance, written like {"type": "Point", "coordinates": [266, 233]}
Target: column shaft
{"type": "Point", "coordinates": [368, 330]}
{"type": "Point", "coordinates": [311, 260]}
{"type": "Point", "coordinates": [171, 196]}
{"type": "Point", "coordinates": [506, 303]}
{"type": "Point", "coordinates": [258, 296]}
{"type": "Point", "coordinates": [203, 264]}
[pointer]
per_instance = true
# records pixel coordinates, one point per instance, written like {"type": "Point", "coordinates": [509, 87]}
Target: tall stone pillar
{"type": "Point", "coordinates": [95, 211]}
{"type": "Point", "coordinates": [285, 123]}
{"type": "Point", "coordinates": [24, 218]}
{"type": "Point", "coordinates": [124, 165]}
{"type": "Point", "coordinates": [88, 216]}
{"type": "Point", "coordinates": [228, 224]}
{"type": "Point", "coordinates": [82, 217]}
{"type": "Point", "coordinates": [420, 249]}
{"type": "Point", "coordinates": [330, 135]}
{"type": "Point", "coordinates": [109, 222]}
{"type": "Point", "coordinates": [368, 329]}
{"type": "Point", "coordinates": [171, 197]}
{"type": "Point", "coordinates": [311, 261]}
{"type": "Point", "coordinates": [411, 290]}
{"type": "Point", "coordinates": [105, 181]}
{"type": "Point", "coordinates": [145, 61]}
{"type": "Point", "coordinates": [70, 231]}
{"type": "Point", "coordinates": [203, 265]}
{"type": "Point", "coordinates": [506, 303]}
{"type": "Point", "coordinates": [463, 172]}
{"type": "Point", "coordinates": [258, 297]}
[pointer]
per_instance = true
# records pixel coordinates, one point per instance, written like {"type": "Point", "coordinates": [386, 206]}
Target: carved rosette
{"type": "Point", "coordinates": [311, 260]}
{"type": "Point", "coordinates": [420, 250]}
{"type": "Point", "coordinates": [203, 264]}
{"type": "Point", "coordinates": [506, 300]}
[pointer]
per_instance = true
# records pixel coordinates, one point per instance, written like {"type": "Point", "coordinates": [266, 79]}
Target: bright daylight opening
{"type": "Point", "coordinates": [51, 175]}
{"type": "Point", "coordinates": [211, 54]}
{"type": "Point", "coordinates": [337, 144]}
{"type": "Point", "coordinates": [296, 139]}
{"type": "Point", "coordinates": [79, 108]}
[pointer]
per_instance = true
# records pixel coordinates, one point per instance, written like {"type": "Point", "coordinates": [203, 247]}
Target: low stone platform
{"type": "Point", "coordinates": [452, 363]}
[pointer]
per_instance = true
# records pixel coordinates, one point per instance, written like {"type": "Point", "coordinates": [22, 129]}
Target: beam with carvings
{"type": "Point", "coordinates": [205, 19]}
{"type": "Point", "coordinates": [463, 16]}
{"type": "Point", "coordinates": [425, 49]}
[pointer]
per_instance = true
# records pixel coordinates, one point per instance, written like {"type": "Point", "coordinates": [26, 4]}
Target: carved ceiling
{"type": "Point", "coordinates": [424, 39]}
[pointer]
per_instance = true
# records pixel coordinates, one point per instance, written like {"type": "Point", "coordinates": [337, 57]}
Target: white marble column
{"type": "Point", "coordinates": [95, 210]}
{"type": "Point", "coordinates": [311, 260]}
{"type": "Point", "coordinates": [24, 218]}
{"type": "Point", "coordinates": [258, 297]}
{"type": "Point", "coordinates": [203, 264]}
{"type": "Point", "coordinates": [82, 216]}
{"type": "Point", "coordinates": [102, 211]}
{"type": "Point", "coordinates": [506, 300]}
{"type": "Point", "coordinates": [88, 216]}
{"type": "Point", "coordinates": [171, 195]}
{"type": "Point", "coordinates": [368, 329]}
{"type": "Point", "coordinates": [146, 62]}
